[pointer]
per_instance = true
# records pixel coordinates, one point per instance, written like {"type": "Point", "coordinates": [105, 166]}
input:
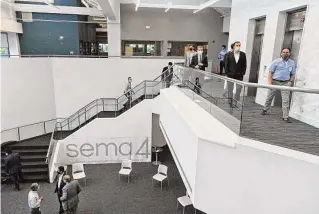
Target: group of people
{"type": "Point", "coordinates": [281, 72]}
{"type": "Point", "coordinates": [67, 190]}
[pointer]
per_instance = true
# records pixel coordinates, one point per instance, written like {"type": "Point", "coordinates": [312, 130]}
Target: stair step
{"type": "Point", "coordinates": [35, 164]}
{"type": "Point", "coordinates": [28, 158]}
{"type": "Point", "coordinates": [30, 171]}
{"type": "Point", "coordinates": [28, 147]}
{"type": "Point", "coordinates": [29, 152]}
{"type": "Point", "coordinates": [35, 178]}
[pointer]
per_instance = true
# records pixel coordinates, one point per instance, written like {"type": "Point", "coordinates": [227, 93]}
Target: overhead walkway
{"type": "Point", "coordinates": [244, 115]}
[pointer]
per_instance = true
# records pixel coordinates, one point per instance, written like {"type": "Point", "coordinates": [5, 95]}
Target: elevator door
{"type": "Point", "coordinates": [256, 55]}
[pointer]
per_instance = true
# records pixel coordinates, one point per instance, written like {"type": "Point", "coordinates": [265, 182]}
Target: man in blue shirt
{"type": "Point", "coordinates": [221, 58]}
{"type": "Point", "coordinates": [281, 72]}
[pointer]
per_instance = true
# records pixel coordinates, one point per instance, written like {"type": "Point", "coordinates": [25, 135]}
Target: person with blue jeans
{"type": "Point", "coordinates": [221, 58]}
{"type": "Point", "coordinates": [282, 72]}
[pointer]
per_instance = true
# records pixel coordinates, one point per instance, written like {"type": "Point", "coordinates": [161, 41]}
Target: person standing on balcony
{"type": "Point", "coordinates": [235, 68]}
{"type": "Point", "coordinates": [167, 74]}
{"type": "Point", "coordinates": [59, 185]}
{"type": "Point", "coordinates": [281, 72]}
{"type": "Point", "coordinates": [199, 61]}
{"type": "Point", "coordinates": [189, 55]}
{"type": "Point", "coordinates": [128, 93]}
{"type": "Point", "coordinates": [12, 165]}
{"type": "Point", "coordinates": [221, 58]}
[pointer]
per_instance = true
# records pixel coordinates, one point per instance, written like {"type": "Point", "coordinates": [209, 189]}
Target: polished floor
{"type": "Point", "coordinates": [106, 194]}
{"type": "Point", "coordinates": [249, 122]}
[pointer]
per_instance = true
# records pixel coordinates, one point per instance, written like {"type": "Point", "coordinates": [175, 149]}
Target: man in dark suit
{"type": "Point", "coordinates": [167, 74]}
{"type": "Point", "coordinates": [59, 185]}
{"type": "Point", "coordinates": [70, 198]}
{"type": "Point", "coordinates": [199, 61]}
{"type": "Point", "coordinates": [235, 68]}
{"type": "Point", "coordinates": [12, 165]}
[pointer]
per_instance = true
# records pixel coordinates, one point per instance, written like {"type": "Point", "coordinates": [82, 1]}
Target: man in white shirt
{"type": "Point", "coordinates": [34, 200]}
{"type": "Point", "coordinates": [59, 185]}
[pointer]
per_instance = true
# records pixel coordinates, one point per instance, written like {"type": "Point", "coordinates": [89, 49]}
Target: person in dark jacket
{"type": "Point", "coordinates": [59, 185]}
{"type": "Point", "coordinates": [235, 68]}
{"type": "Point", "coordinates": [199, 61]}
{"type": "Point", "coordinates": [197, 86]}
{"type": "Point", "coordinates": [12, 165]}
{"type": "Point", "coordinates": [167, 74]}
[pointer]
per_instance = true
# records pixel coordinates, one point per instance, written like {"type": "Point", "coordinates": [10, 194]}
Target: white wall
{"type": "Point", "coordinates": [306, 106]}
{"type": "Point", "coordinates": [250, 180]}
{"type": "Point", "coordinates": [27, 92]}
{"type": "Point", "coordinates": [8, 23]}
{"type": "Point", "coordinates": [14, 45]}
{"type": "Point", "coordinates": [79, 81]}
{"type": "Point", "coordinates": [226, 23]}
{"type": "Point", "coordinates": [134, 126]}
{"type": "Point", "coordinates": [37, 89]}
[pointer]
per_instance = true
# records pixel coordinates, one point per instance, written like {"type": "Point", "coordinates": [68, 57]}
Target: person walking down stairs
{"type": "Point", "coordinates": [12, 165]}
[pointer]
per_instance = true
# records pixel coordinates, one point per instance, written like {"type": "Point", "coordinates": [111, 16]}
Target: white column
{"type": "Point", "coordinates": [14, 45]}
{"type": "Point", "coordinates": [114, 32]}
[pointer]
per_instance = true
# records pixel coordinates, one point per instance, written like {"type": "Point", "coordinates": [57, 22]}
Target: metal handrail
{"type": "Point", "coordinates": [256, 85]}
{"type": "Point", "coordinates": [93, 56]}
{"type": "Point", "coordinates": [116, 99]}
{"type": "Point", "coordinates": [44, 121]}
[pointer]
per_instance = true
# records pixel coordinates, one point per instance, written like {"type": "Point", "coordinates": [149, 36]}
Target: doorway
{"type": "Point", "coordinates": [256, 55]}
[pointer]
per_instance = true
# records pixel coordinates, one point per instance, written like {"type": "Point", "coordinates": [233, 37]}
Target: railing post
{"type": "Point", "coordinates": [68, 125]}
{"type": "Point", "coordinates": [79, 118]}
{"type": "Point", "coordinates": [145, 90]}
{"type": "Point", "coordinates": [44, 128]}
{"type": "Point", "coordinates": [19, 134]}
{"type": "Point", "coordinates": [85, 114]}
{"type": "Point", "coordinates": [103, 103]}
{"type": "Point", "coordinates": [97, 108]}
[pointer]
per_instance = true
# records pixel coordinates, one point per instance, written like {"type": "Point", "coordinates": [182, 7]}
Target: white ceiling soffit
{"type": "Point", "coordinates": [108, 8]}
{"type": "Point", "coordinates": [58, 9]}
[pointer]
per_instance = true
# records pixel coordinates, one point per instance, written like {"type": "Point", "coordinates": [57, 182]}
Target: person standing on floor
{"type": "Point", "coordinates": [70, 195]}
{"type": "Point", "coordinates": [59, 185]}
{"type": "Point", "coordinates": [12, 165]}
{"type": "Point", "coordinates": [235, 68]}
{"type": "Point", "coordinates": [282, 72]}
{"type": "Point", "coordinates": [34, 200]}
{"type": "Point", "coordinates": [189, 55]}
{"type": "Point", "coordinates": [199, 61]}
{"type": "Point", "coordinates": [221, 58]}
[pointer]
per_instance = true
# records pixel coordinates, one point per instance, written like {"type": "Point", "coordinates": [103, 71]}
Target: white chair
{"type": "Point", "coordinates": [78, 172]}
{"type": "Point", "coordinates": [126, 169]}
{"type": "Point", "coordinates": [184, 201]}
{"type": "Point", "coordinates": [161, 175]}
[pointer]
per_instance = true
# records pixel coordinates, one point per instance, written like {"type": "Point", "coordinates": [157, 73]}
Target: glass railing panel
{"type": "Point", "coordinates": [31, 131]}
{"type": "Point", "coordinates": [91, 111]}
{"type": "Point", "coordinates": [73, 124]}
{"type": "Point", "coordinates": [302, 134]}
{"type": "Point", "coordinates": [109, 104]}
{"type": "Point", "coordinates": [49, 126]}
{"type": "Point", "coordinates": [10, 135]}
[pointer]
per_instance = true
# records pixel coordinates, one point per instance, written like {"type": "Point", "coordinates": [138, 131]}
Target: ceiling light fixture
{"type": "Point", "coordinates": [207, 4]}
{"type": "Point", "coordinates": [137, 4]}
{"type": "Point", "coordinates": [169, 5]}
